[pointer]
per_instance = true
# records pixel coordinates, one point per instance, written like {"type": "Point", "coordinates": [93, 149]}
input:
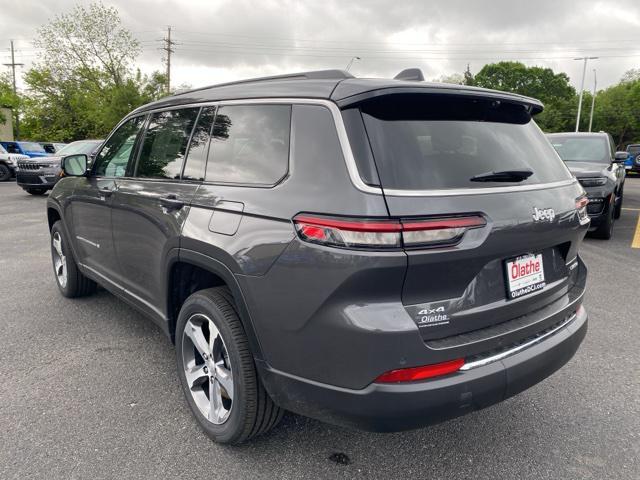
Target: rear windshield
{"type": "Point", "coordinates": [576, 148]}
{"type": "Point", "coordinates": [424, 142]}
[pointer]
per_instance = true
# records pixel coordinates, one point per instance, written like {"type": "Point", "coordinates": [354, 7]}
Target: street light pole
{"type": "Point", "coordinates": [593, 98]}
{"type": "Point", "coordinates": [351, 62]}
{"type": "Point", "coordinates": [584, 72]}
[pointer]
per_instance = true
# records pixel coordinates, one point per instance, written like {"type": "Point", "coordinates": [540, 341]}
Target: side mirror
{"type": "Point", "coordinates": [620, 157]}
{"type": "Point", "coordinates": [75, 165]}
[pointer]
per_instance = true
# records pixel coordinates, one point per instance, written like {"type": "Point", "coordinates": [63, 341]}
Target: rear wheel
{"type": "Point", "coordinates": [217, 371]}
{"type": "Point", "coordinates": [5, 173]}
{"type": "Point", "coordinates": [71, 282]}
{"type": "Point", "coordinates": [36, 191]}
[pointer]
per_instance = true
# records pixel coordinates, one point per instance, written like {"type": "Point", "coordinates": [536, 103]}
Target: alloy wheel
{"type": "Point", "coordinates": [207, 368]}
{"type": "Point", "coordinates": [59, 259]}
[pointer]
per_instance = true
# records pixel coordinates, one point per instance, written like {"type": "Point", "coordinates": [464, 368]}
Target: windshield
{"type": "Point", "coordinates": [32, 147]}
{"type": "Point", "coordinates": [575, 148]}
{"type": "Point", "coordinates": [2, 150]}
{"type": "Point", "coordinates": [633, 149]}
{"type": "Point", "coordinates": [82, 146]}
{"type": "Point", "coordinates": [423, 142]}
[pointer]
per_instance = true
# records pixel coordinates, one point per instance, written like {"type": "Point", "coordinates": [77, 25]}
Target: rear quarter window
{"type": "Point", "coordinates": [249, 144]}
{"type": "Point", "coordinates": [427, 142]}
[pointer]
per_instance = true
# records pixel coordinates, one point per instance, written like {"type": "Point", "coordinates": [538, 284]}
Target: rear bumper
{"type": "Point", "coordinates": [395, 407]}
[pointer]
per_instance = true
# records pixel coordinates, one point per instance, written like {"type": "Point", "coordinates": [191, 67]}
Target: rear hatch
{"type": "Point", "coordinates": [459, 160]}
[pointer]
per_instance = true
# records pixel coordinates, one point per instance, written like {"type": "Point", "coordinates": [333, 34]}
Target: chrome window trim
{"type": "Point", "coordinates": [349, 159]}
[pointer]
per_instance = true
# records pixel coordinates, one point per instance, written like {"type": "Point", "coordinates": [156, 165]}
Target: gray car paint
{"type": "Point", "coordinates": [324, 316]}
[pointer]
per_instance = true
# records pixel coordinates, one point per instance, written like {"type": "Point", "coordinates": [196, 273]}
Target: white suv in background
{"type": "Point", "coordinates": [9, 163]}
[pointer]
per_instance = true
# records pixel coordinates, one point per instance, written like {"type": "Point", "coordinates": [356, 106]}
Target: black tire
{"type": "Point", "coordinates": [5, 173]}
{"type": "Point", "coordinates": [252, 411]}
{"type": "Point", "coordinates": [605, 230]}
{"type": "Point", "coordinates": [618, 210]}
{"type": "Point", "coordinates": [77, 285]}
{"type": "Point", "coordinates": [36, 191]}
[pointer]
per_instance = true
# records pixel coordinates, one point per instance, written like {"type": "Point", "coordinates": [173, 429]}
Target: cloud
{"type": "Point", "coordinates": [229, 39]}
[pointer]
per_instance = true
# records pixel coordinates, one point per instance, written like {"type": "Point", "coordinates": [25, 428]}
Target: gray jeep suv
{"type": "Point", "coordinates": [381, 254]}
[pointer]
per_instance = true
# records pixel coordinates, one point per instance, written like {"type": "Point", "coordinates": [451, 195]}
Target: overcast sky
{"type": "Point", "coordinates": [222, 40]}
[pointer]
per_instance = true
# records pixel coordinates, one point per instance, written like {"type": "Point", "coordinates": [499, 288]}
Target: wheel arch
{"type": "Point", "coordinates": [218, 274]}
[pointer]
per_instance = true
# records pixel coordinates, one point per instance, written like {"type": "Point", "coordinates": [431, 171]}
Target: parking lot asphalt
{"type": "Point", "coordinates": [88, 389]}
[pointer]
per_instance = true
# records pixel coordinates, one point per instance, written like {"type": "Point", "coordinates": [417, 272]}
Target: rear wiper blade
{"type": "Point", "coordinates": [502, 176]}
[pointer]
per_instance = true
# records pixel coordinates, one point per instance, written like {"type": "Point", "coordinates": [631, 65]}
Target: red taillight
{"type": "Point", "coordinates": [420, 373]}
{"type": "Point", "coordinates": [581, 208]}
{"type": "Point", "coordinates": [357, 233]}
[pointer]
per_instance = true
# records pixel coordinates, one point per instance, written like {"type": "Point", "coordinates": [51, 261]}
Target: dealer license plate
{"type": "Point", "coordinates": [525, 275]}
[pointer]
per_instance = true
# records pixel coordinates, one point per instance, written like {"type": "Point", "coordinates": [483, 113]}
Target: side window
{"type": "Point", "coordinates": [113, 158]}
{"type": "Point", "coordinates": [250, 144]}
{"type": "Point", "coordinates": [12, 148]}
{"type": "Point", "coordinates": [199, 146]}
{"type": "Point", "coordinates": [165, 143]}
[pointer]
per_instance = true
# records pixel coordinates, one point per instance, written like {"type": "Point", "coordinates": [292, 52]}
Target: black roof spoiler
{"type": "Point", "coordinates": [410, 74]}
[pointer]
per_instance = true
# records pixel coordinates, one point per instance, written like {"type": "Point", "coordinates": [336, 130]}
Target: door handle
{"type": "Point", "coordinates": [171, 202]}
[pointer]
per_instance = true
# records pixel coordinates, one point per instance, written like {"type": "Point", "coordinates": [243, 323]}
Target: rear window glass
{"type": "Point", "coordinates": [425, 142]}
{"type": "Point", "coordinates": [581, 149]}
{"type": "Point", "coordinates": [634, 149]}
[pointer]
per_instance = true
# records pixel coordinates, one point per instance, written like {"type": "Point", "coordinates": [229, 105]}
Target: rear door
{"type": "Point", "coordinates": [150, 207]}
{"type": "Point", "coordinates": [506, 228]}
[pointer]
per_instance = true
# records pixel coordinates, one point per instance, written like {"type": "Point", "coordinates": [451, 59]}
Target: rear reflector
{"type": "Point", "coordinates": [420, 373]}
{"type": "Point", "coordinates": [357, 233]}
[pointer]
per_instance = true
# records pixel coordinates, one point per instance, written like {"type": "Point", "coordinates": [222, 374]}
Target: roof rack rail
{"type": "Point", "coordinates": [313, 75]}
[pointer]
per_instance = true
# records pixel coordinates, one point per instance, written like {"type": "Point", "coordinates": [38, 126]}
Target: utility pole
{"type": "Point", "coordinates": [584, 72]}
{"type": "Point", "coordinates": [13, 66]}
{"type": "Point", "coordinates": [168, 44]}
{"type": "Point", "coordinates": [593, 98]}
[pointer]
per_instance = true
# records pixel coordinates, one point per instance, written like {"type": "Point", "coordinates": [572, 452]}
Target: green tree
{"type": "Point", "coordinates": [617, 111]}
{"type": "Point", "coordinates": [83, 82]}
{"type": "Point", "coordinates": [7, 97]}
{"type": "Point", "coordinates": [553, 89]}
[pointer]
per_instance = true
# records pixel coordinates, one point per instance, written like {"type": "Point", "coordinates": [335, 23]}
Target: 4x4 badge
{"type": "Point", "coordinates": [542, 215]}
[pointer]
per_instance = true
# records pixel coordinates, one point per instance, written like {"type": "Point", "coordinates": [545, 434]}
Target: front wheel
{"type": "Point", "coordinates": [71, 282]}
{"type": "Point", "coordinates": [5, 173]}
{"type": "Point", "coordinates": [217, 371]}
{"type": "Point", "coordinates": [605, 230]}
{"type": "Point", "coordinates": [36, 191]}
{"type": "Point", "coordinates": [618, 209]}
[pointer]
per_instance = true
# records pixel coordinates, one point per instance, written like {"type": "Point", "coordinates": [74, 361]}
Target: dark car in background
{"type": "Point", "coordinates": [632, 164]}
{"type": "Point", "coordinates": [37, 176]}
{"type": "Point", "coordinates": [52, 147]}
{"type": "Point", "coordinates": [593, 159]}
{"type": "Point", "coordinates": [381, 254]}
{"type": "Point", "coordinates": [30, 149]}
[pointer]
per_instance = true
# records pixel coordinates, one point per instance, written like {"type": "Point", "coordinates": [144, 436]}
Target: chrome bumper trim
{"type": "Point", "coordinates": [512, 351]}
